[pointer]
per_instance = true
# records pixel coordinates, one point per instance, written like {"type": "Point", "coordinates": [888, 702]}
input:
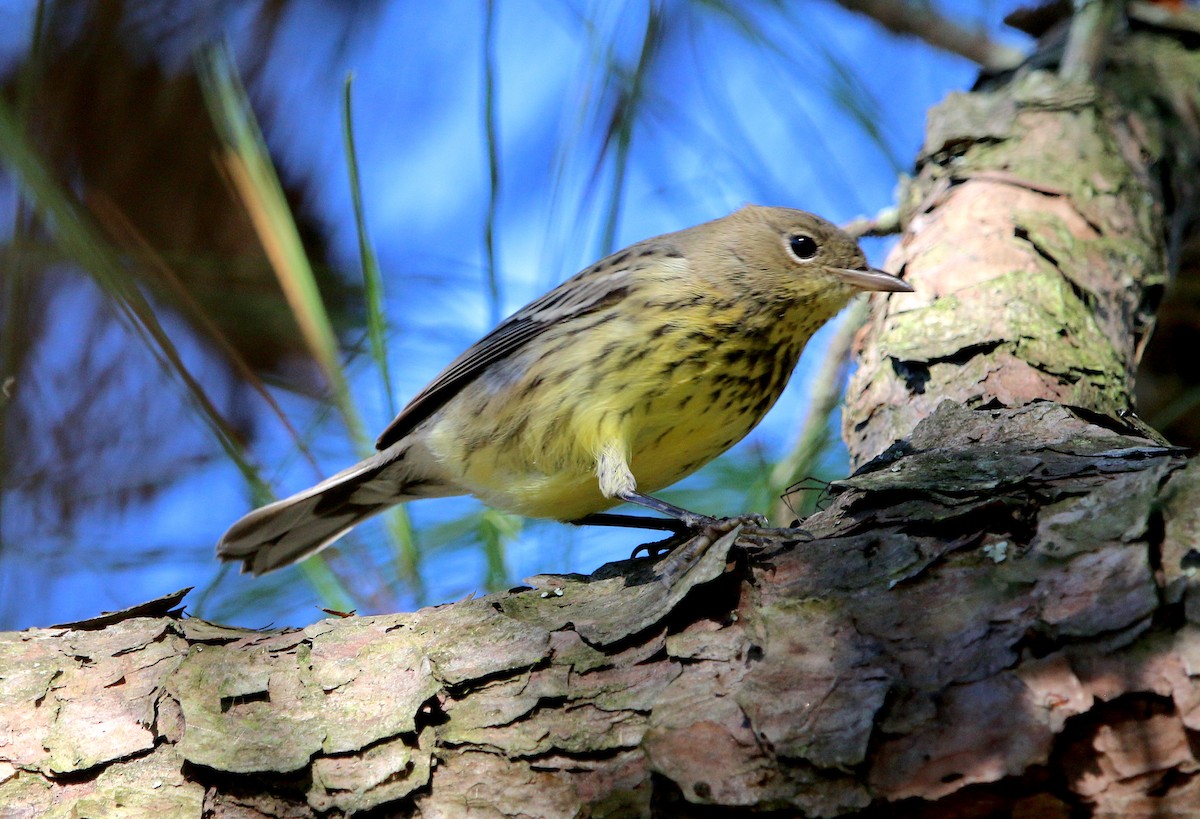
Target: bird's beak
{"type": "Point", "coordinates": [870, 278]}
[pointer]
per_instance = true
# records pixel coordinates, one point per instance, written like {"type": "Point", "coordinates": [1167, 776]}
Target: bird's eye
{"type": "Point", "coordinates": [803, 247]}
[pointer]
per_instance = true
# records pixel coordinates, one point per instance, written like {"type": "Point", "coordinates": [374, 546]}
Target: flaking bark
{"type": "Point", "coordinates": [998, 613]}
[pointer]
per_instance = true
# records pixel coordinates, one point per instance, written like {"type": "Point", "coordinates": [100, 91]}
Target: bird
{"type": "Point", "coordinates": [618, 382]}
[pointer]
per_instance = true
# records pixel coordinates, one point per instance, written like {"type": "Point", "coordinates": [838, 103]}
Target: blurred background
{"type": "Point", "coordinates": [198, 312]}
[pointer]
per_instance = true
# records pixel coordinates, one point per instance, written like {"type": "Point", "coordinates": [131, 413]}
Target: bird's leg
{"type": "Point", "coordinates": [691, 520]}
{"type": "Point", "coordinates": [617, 481]}
{"type": "Point", "coordinates": [682, 523]}
{"type": "Point", "coordinates": [679, 520]}
{"type": "Point", "coordinates": [631, 522]}
{"type": "Point", "coordinates": [678, 529]}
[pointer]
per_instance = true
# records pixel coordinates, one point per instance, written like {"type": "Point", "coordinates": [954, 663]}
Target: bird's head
{"type": "Point", "coordinates": [799, 257]}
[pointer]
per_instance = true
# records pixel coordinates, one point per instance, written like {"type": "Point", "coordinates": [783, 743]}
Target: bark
{"type": "Point", "coordinates": [998, 614]}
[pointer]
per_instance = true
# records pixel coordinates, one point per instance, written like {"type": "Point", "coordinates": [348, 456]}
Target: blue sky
{"type": "Point", "coordinates": [728, 120]}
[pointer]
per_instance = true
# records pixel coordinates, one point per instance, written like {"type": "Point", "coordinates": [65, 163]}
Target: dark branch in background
{"type": "Point", "coordinates": [921, 20]}
{"type": "Point", "coordinates": [1165, 16]}
{"type": "Point", "coordinates": [884, 223]}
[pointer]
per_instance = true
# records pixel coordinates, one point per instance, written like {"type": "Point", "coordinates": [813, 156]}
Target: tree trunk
{"type": "Point", "coordinates": [998, 614]}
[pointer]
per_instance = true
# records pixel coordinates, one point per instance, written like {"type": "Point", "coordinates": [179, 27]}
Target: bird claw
{"type": "Point", "coordinates": [701, 525]}
{"type": "Point", "coordinates": [659, 548]}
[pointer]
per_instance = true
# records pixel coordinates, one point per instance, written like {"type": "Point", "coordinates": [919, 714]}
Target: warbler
{"type": "Point", "coordinates": [620, 381]}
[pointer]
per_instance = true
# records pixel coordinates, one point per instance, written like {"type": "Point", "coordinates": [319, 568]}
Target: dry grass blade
{"type": "Point", "coordinates": [252, 172]}
{"type": "Point", "coordinates": [253, 175]}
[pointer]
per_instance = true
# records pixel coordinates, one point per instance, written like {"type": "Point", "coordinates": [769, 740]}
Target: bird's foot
{"type": "Point", "coordinates": [661, 547]}
{"type": "Point", "coordinates": [702, 526]}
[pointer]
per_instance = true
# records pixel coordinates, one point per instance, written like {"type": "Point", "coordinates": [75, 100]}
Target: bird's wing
{"type": "Point", "coordinates": [599, 286]}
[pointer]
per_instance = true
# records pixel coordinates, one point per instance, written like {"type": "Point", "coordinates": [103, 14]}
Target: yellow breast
{"type": "Point", "coordinates": [677, 394]}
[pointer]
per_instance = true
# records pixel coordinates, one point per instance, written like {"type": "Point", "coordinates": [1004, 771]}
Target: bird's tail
{"type": "Point", "coordinates": [291, 529]}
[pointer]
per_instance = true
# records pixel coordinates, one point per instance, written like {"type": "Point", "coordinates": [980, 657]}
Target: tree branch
{"type": "Point", "coordinates": [1035, 275]}
{"type": "Point", "coordinates": [1091, 29]}
{"type": "Point", "coordinates": [922, 20]}
{"type": "Point", "coordinates": [999, 613]}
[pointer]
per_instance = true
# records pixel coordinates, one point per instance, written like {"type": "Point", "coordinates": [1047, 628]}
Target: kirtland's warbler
{"type": "Point", "coordinates": [620, 381]}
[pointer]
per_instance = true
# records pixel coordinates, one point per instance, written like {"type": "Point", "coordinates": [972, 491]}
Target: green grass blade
{"type": "Point", "coordinates": [328, 586]}
{"type": "Point", "coordinates": [493, 157]}
{"type": "Point", "coordinates": [495, 531]}
{"type": "Point", "coordinates": [397, 521]}
{"type": "Point", "coordinates": [372, 279]}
